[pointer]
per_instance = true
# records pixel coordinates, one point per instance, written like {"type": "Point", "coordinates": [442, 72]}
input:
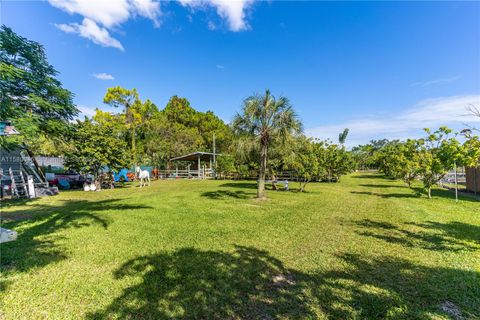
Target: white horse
{"type": "Point", "coordinates": [143, 175]}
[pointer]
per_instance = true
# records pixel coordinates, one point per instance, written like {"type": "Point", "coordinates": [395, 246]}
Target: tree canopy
{"type": "Point", "coordinates": [32, 97]}
{"type": "Point", "coordinates": [266, 119]}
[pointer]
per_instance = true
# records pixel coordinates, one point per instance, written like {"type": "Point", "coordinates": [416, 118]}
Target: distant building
{"type": "Point", "coordinates": [473, 179]}
{"type": "Point", "coordinates": [53, 162]}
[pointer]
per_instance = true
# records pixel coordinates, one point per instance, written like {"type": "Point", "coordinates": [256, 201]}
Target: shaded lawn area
{"type": "Point", "coordinates": [366, 247]}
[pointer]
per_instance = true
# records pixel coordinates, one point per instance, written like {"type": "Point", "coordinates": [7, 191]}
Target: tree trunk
{"type": "Point", "coordinates": [263, 169]}
{"type": "Point", "coordinates": [303, 185]}
{"type": "Point", "coordinates": [35, 163]}
{"type": "Point", "coordinates": [429, 192]}
{"type": "Point", "coordinates": [134, 147]}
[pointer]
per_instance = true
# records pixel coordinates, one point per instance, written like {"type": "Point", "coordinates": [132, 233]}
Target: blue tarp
{"type": "Point", "coordinates": [121, 174]}
{"type": "Point", "coordinates": [64, 184]}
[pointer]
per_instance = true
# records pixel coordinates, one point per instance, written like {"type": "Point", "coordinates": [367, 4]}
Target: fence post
{"type": "Point", "coordinates": [456, 182]}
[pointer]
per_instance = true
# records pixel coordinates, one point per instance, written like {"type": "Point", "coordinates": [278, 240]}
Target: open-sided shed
{"type": "Point", "coordinates": [195, 167]}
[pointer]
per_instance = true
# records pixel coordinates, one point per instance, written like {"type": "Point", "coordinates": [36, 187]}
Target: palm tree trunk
{"type": "Point", "coordinates": [263, 169]}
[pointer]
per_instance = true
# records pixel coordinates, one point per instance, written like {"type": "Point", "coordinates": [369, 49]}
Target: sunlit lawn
{"type": "Point", "coordinates": [366, 247]}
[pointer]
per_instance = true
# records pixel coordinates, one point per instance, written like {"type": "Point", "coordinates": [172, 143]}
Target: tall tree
{"type": "Point", "coordinates": [129, 100]}
{"type": "Point", "coordinates": [93, 147]}
{"type": "Point", "coordinates": [267, 119]}
{"type": "Point", "coordinates": [31, 96]}
{"type": "Point", "coordinates": [165, 139]}
{"type": "Point", "coordinates": [179, 111]}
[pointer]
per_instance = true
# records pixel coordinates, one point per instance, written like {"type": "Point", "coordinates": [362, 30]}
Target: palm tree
{"type": "Point", "coordinates": [342, 137]}
{"type": "Point", "coordinates": [266, 119]}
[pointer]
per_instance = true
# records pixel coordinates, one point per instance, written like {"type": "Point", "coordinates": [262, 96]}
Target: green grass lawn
{"type": "Point", "coordinates": [366, 247]}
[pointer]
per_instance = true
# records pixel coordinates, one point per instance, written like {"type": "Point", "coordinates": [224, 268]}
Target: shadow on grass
{"type": "Point", "coordinates": [373, 185]}
{"type": "Point", "coordinates": [387, 195]}
{"type": "Point", "coordinates": [452, 236]}
{"type": "Point", "coordinates": [37, 242]}
{"type": "Point", "coordinates": [415, 192]}
{"type": "Point", "coordinates": [375, 176]}
{"type": "Point", "coordinates": [5, 204]}
{"type": "Point", "coordinates": [245, 185]}
{"type": "Point", "coordinates": [455, 229]}
{"type": "Point", "coordinates": [225, 194]}
{"type": "Point", "coordinates": [251, 284]}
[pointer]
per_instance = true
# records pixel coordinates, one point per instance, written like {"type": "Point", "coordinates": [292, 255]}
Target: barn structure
{"type": "Point", "coordinates": [473, 179]}
{"type": "Point", "coordinates": [197, 164]}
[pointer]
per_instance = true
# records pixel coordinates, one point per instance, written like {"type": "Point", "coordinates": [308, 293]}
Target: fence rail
{"type": "Point", "coordinates": [204, 173]}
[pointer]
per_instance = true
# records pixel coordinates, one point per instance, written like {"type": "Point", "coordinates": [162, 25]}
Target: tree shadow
{"type": "Point", "coordinates": [417, 193]}
{"type": "Point", "coordinates": [386, 195]}
{"type": "Point", "coordinates": [454, 236]}
{"type": "Point", "coordinates": [250, 284]}
{"type": "Point", "coordinates": [245, 185]}
{"type": "Point", "coordinates": [376, 176]}
{"type": "Point", "coordinates": [373, 185]}
{"type": "Point", "coordinates": [389, 287]}
{"type": "Point", "coordinates": [455, 229]}
{"type": "Point", "coordinates": [225, 194]}
{"type": "Point", "coordinates": [8, 203]}
{"type": "Point", "coordinates": [37, 242]}
{"type": "Point", "coordinates": [194, 284]}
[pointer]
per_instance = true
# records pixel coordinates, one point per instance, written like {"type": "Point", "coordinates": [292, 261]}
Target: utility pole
{"type": "Point", "coordinates": [214, 161]}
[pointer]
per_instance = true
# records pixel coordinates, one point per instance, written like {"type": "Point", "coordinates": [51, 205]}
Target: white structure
{"type": "Point", "coordinates": [7, 235]}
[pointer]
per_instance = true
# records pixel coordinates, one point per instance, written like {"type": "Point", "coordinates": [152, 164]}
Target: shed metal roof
{"type": "Point", "coordinates": [204, 156]}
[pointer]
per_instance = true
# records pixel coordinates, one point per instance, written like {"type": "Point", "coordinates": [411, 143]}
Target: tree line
{"type": "Point", "coordinates": [264, 138]}
{"type": "Point", "coordinates": [428, 159]}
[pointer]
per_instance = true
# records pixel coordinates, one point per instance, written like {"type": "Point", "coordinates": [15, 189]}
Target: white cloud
{"type": "Point", "coordinates": [211, 25]}
{"type": "Point", "coordinates": [148, 9]}
{"type": "Point", "coordinates": [86, 111]}
{"type": "Point", "coordinates": [108, 13]}
{"type": "Point", "coordinates": [435, 82]}
{"type": "Point", "coordinates": [66, 28]}
{"type": "Point", "coordinates": [234, 11]}
{"type": "Point", "coordinates": [103, 76]}
{"type": "Point", "coordinates": [219, 66]}
{"type": "Point", "coordinates": [429, 113]}
{"type": "Point", "coordinates": [90, 30]}
{"type": "Point", "coordinates": [102, 16]}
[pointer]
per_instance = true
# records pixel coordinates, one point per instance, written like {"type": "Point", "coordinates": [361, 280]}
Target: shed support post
{"type": "Point", "coordinates": [198, 167]}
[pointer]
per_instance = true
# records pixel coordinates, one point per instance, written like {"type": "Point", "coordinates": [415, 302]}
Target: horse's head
{"type": "Point", "coordinates": [137, 169]}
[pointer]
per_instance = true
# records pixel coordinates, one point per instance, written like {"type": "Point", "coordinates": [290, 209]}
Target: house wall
{"type": "Point", "coordinates": [10, 159]}
{"type": "Point", "coordinates": [473, 179]}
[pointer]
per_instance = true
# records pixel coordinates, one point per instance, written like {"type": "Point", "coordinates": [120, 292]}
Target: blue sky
{"type": "Point", "coordinates": [383, 69]}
